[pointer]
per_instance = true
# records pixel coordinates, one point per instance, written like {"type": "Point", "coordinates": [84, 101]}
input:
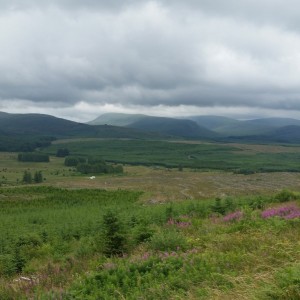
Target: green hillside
{"type": "Point", "coordinates": [287, 134]}
{"type": "Point", "coordinates": [162, 125]}
{"type": "Point", "coordinates": [25, 132]}
{"type": "Point", "coordinates": [40, 124]}
{"type": "Point", "coordinates": [176, 127]}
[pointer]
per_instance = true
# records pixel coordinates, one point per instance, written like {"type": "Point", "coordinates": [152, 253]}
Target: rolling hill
{"type": "Point", "coordinates": [39, 124]}
{"type": "Point", "coordinates": [257, 126]}
{"type": "Point", "coordinates": [161, 125]}
{"type": "Point", "coordinates": [24, 132]}
{"type": "Point", "coordinates": [286, 134]}
{"type": "Point", "coordinates": [46, 125]}
{"type": "Point", "coordinates": [231, 127]}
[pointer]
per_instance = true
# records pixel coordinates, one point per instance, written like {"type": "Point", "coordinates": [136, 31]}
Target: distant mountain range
{"type": "Point", "coordinates": [167, 126]}
{"type": "Point", "coordinates": [233, 127]}
{"type": "Point", "coordinates": [27, 131]}
{"type": "Point", "coordinates": [213, 127]}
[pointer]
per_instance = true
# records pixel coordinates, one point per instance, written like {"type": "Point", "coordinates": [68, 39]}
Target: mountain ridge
{"type": "Point", "coordinates": [169, 126]}
{"type": "Point", "coordinates": [35, 130]}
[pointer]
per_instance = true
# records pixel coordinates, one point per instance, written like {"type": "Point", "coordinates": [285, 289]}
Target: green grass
{"type": "Point", "coordinates": [159, 184]}
{"type": "Point", "coordinates": [207, 156]}
{"type": "Point", "coordinates": [57, 238]}
{"type": "Point", "coordinates": [223, 261]}
{"type": "Point", "coordinates": [93, 243]}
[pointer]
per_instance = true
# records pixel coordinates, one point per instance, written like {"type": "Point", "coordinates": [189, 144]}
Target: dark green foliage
{"type": "Point", "coordinates": [86, 168]}
{"type": "Point", "coordinates": [18, 260]}
{"type": "Point", "coordinates": [33, 157]}
{"type": "Point", "coordinates": [143, 280]}
{"type": "Point", "coordinates": [169, 212]}
{"type": "Point", "coordinates": [73, 161]}
{"type": "Point", "coordinates": [38, 177]}
{"type": "Point", "coordinates": [27, 177]}
{"type": "Point", "coordinates": [9, 263]}
{"type": "Point", "coordinates": [44, 222]}
{"type": "Point", "coordinates": [24, 250]}
{"type": "Point", "coordinates": [218, 207]}
{"type": "Point", "coordinates": [118, 169]}
{"type": "Point", "coordinates": [99, 168]}
{"type": "Point", "coordinates": [95, 160]}
{"type": "Point", "coordinates": [16, 143]}
{"type": "Point", "coordinates": [257, 203]}
{"type": "Point", "coordinates": [114, 237]}
{"type": "Point", "coordinates": [142, 233]}
{"type": "Point", "coordinates": [229, 205]}
{"type": "Point", "coordinates": [62, 152]}
{"type": "Point", "coordinates": [168, 240]}
{"type": "Point", "coordinates": [285, 196]}
{"type": "Point", "coordinates": [197, 156]}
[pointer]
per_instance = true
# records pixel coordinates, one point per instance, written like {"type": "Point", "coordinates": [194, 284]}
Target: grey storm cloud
{"type": "Point", "coordinates": [199, 53]}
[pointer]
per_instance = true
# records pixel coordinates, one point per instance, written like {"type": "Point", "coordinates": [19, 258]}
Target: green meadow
{"type": "Point", "coordinates": [97, 244]}
{"type": "Point", "coordinates": [166, 228]}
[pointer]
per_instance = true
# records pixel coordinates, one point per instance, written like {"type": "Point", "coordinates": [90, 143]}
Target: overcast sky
{"type": "Point", "coordinates": [80, 58]}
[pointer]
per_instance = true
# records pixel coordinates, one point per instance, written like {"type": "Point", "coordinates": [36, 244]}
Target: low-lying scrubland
{"type": "Point", "coordinates": [98, 244]}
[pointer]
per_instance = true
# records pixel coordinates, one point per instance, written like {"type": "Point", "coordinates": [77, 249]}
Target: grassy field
{"type": "Point", "coordinates": [153, 232]}
{"type": "Point", "coordinates": [97, 244]}
{"type": "Point", "coordinates": [159, 184]}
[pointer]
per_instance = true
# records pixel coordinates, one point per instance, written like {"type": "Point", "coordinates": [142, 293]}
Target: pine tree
{"type": "Point", "coordinates": [114, 237]}
{"type": "Point", "coordinates": [27, 177]}
{"type": "Point", "coordinates": [38, 177]}
{"type": "Point", "coordinates": [218, 207]}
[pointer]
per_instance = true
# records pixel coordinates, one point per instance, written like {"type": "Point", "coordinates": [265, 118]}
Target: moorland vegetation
{"type": "Point", "coordinates": [97, 244]}
{"type": "Point", "coordinates": [146, 227]}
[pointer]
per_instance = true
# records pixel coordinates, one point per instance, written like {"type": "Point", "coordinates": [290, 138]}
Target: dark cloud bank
{"type": "Point", "coordinates": [81, 58]}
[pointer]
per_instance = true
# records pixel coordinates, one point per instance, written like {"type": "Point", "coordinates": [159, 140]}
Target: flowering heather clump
{"type": "Point", "coordinates": [235, 216]}
{"type": "Point", "coordinates": [286, 212]}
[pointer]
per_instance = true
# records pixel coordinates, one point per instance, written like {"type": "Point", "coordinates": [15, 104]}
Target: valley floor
{"type": "Point", "coordinates": [150, 233]}
{"type": "Point", "coordinates": [159, 184]}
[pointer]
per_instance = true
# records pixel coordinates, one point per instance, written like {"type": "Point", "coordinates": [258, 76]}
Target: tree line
{"type": "Point", "coordinates": [92, 165]}
{"type": "Point", "coordinates": [33, 157]}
